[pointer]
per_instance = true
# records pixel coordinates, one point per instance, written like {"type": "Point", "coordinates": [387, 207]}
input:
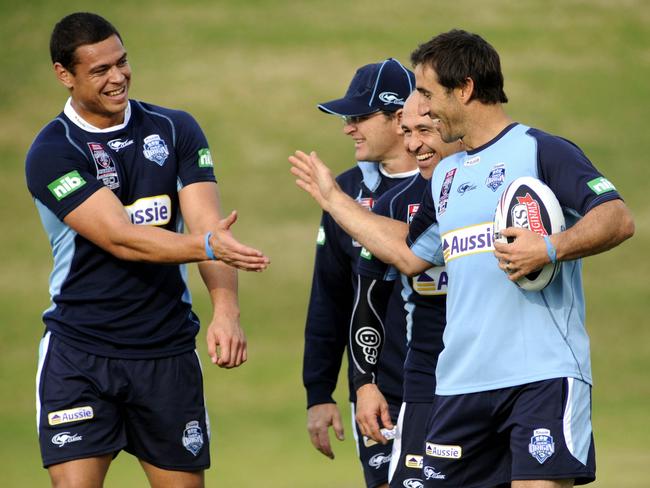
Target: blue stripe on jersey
{"type": "Point", "coordinates": [67, 136]}
{"type": "Point", "coordinates": [61, 238]}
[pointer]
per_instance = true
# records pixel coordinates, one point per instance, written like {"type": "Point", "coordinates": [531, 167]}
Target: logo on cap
{"type": "Point", "coordinates": [391, 97]}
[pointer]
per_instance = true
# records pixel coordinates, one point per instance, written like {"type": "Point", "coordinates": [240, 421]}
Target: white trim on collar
{"type": "Point", "coordinates": [404, 174]}
{"type": "Point", "coordinates": [72, 114]}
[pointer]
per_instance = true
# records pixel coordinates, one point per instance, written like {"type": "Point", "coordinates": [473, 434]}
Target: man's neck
{"type": "Point", "coordinates": [402, 163]}
{"type": "Point", "coordinates": [484, 123]}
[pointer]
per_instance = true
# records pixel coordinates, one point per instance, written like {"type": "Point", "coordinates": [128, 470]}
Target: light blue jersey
{"type": "Point", "coordinates": [497, 334]}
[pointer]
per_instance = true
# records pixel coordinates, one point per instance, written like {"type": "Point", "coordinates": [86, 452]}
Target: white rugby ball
{"type": "Point", "coordinates": [527, 202]}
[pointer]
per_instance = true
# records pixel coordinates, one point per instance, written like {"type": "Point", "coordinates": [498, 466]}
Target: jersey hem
{"type": "Point", "coordinates": [510, 384]}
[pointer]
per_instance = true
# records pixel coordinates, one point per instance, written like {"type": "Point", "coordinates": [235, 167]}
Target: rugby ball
{"type": "Point", "coordinates": [528, 203]}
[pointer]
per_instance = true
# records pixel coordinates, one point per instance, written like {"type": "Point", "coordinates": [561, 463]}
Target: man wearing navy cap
{"type": "Point", "coordinates": [369, 111]}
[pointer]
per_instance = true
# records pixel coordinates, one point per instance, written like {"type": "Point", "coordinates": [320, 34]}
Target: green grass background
{"type": "Point", "coordinates": [252, 72]}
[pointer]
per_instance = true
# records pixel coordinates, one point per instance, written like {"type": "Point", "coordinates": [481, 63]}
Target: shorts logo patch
{"type": "Point", "coordinates": [193, 437]}
{"type": "Point", "coordinates": [541, 445]}
{"type": "Point", "coordinates": [413, 461]}
{"type": "Point", "coordinates": [63, 438]}
{"type": "Point", "coordinates": [320, 237]}
{"type": "Point", "coordinates": [431, 474]}
{"type": "Point", "coordinates": [412, 483]}
{"type": "Point", "coordinates": [378, 459]}
{"type": "Point", "coordinates": [444, 451]}
{"type": "Point", "coordinates": [155, 149]}
{"type": "Point", "coordinates": [368, 442]}
{"type": "Point", "coordinates": [68, 183]}
{"type": "Point", "coordinates": [496, 177]}
{"type": "Point", "coordinates": [70, 415]}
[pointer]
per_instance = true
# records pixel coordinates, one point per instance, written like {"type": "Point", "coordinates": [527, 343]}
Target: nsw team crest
{"type": "Point", "coordinates": [193, 437]}
{"type": "Point", "coordinates": [155, 149]}
{"type": "Point", "coordinates": [496, 177]}
{"type": "Point", "coordinates": [541, 445]}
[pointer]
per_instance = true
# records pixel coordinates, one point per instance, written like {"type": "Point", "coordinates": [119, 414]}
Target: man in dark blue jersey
{"type": "Point", "coordinates": [425, 302]}
{"type": "Point", "coordinates": [513, 397]}
{"type": "Point", "coordinates": [369, 109]}
{"type": "Point", "coordinates": [114, 180]}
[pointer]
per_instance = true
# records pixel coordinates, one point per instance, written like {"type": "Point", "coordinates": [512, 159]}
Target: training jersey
{"type": "Point", "coordinates": [424, 296]}
{"type": "Point", "coordinates": [499, 335]}
{"type": "Point", "coordinates": [333, 291]}
{"type": "Point", "coordinates": [101, 304]}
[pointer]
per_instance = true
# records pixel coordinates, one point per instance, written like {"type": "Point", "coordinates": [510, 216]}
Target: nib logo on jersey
{"type": "Point", "coordinates": [67, 184]}
{"type": "Point", "coordinates": [467, 241]}
{"type": "Point", "coordinates": [156, 210]}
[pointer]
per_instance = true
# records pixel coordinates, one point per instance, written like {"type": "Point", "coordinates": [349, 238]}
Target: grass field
{"type": "Point", "coordinates": [252, 72]}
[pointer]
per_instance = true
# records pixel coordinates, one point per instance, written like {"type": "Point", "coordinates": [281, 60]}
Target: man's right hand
{"type": "Point", "coordinates": [319, 419]}
{"type": "Point", "coordinates": [227, 249]}
{"type": "Point", "coordinates": [371, 406]}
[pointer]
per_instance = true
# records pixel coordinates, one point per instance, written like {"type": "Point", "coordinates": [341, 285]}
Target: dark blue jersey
{"type": "Point", "coordinates": [332, 294]}
{"type": "Point", "coordinates": [424, 296]}
{"type": "Point", "coordinates": [101, 304]}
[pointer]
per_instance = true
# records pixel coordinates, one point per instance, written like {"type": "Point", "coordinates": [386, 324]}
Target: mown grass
{"type": "Point", "coordinates": [251, 73]}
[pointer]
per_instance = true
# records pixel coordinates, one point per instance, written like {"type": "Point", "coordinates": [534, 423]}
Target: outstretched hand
{"type": "Point", "coordinates": [314, 177]}
{"type": "Point", "coordinates": [229, 250]}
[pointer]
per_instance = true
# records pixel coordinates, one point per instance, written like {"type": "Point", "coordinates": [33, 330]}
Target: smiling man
{"type": "Point", "coordinates": [114, 180]}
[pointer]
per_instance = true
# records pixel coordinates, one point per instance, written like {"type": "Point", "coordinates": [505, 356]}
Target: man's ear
{"type": "Point", "coordinates": [465, 91]}
{"type": "Point", "coordinates": [63, 75]}
{"type": "Point", "coordinates": [398, 118]}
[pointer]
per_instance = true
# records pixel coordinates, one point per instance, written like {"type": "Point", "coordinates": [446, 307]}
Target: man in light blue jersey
{"type": "Point", "coordinates": [513, 395]}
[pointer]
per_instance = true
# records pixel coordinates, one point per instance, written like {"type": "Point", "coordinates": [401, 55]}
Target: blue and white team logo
{"type": "Point", "coordinates": [496, 177]}
{"type": "Point", "coordinates": [541, 445]}
{"type": "Point", "coordinates": [390, 97]}
{"type": "Point", "coordinates": [378, 459]}
{"type": "Point", "coordinates": [155, 149]}
{"type": "Point", "coordinates": [431, 474]}
{"type": "Point", "coordinates": [193, 437]}
{"type": "Point", "coordinates": [412, 483]}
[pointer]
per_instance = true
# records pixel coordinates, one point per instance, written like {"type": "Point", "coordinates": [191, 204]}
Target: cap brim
{"type": "Point", "coordinates": [347, 107]}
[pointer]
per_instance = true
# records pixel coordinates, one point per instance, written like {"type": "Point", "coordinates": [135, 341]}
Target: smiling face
{"type": "Point", "coordinates": [100, 83]}
{"type": "Point", "coordinates": [438, 102]}
{"type": "Point", "coordinates": [375, 137]}
{"type": "Point", "coordinates": [421, 138]}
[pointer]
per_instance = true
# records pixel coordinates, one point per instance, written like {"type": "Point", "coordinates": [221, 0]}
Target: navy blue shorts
{"type": "Point", "coordinates": [536, 431]}
{"type": "Point", "coordinates": [374, 456]}
{"type": "Point", "coordinates": [406, 463]}
{"type": "Point", "coordinates": [90, 406]}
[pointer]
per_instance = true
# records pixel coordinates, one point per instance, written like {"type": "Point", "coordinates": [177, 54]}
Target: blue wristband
{"type": "Point", "coordinates": [208, 249]}
{"type": "Point", "coordinates": [550, 249]}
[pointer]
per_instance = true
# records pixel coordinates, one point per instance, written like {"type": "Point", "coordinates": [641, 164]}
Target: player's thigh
{"type": "Point", "coordinates": [463, 446]}
{"type": "Point", "coordinates": [374, 457]}
{"type": "Point", "coordinates": [166, 420]}
{"type": "Point", "coordinates": [408, 447]}
{"type": "Point", "coordinates": [551, 432]}
{"type": "Point", "coordinates": [77, 417]}
{"type": "Point", "coordinates": [164, 478]}
{"type": "Point", "coordinates": [80, 473]}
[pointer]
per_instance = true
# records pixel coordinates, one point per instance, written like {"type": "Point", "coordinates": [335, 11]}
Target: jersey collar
{"type": "Point", "coordinates": [72, 114]}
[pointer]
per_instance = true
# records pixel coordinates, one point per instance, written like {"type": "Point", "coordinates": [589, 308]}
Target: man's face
{"type": "Point", "coordinates": [438, 103]}
{"type": "Point", "coordinates": [376, 137]}
{"type": "Point", "coordinates": [100, 84]}
{"type": "Point", "coordinates": [422, 140]}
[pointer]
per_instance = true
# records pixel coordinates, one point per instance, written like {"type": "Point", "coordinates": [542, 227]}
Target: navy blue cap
{"type": "Point", "coordinates": [379, 86]}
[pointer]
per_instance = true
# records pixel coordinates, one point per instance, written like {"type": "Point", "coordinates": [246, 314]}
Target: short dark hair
{"type": "Point", "coordinates": [76, 30]}
{"type": "Point", "coordinates": [457, 55]}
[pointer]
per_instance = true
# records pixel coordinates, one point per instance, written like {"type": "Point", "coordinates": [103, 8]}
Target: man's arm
{"type": "Point", "coordinates": [226, 342]}
{"type": "Point", "coordinates": [101, 219]}
{"type": "Point", "coordinates": [385, 238]}
{"type": "Point", "coordinates": [602, 228]}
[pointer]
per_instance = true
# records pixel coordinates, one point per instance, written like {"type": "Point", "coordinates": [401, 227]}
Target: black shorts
{"type": "Point", "coordinates": [91, 405]}
{"type": "Point", "coordinates": [406, 463]}
{"type": "Point", "coordinates": [536, 431]}
{"type": "Point", "coordinates": [374, 457]}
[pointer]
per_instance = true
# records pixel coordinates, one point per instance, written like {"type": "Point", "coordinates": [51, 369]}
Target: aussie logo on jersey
{"type": "Point", "coordinates": [105, 165]}
{"type": "Point", "coordinates": [467, 240]}
{"type": "Point", "coordinates": [432, 282]}
{"type": "Point", "coordinates": [155, 149]}
{"type": "Point", "coordinates": [193, 437]}
{"type": "Point", "coordinates": [541, 445]}
{"type": "Point", "coordinates": [367, 203]}
{"type": "Point", "coordinates": [156, 210]}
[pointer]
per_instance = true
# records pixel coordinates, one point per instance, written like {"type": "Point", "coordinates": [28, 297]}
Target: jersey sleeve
{"type": "Point", "coordinates": [195, 163]}
{"type": "Point", "coordinates": [423, 237]}
{"type": "Point", "coordinates": [328, 315]}
{"type": "Point", "coordinates": [58, 173]}
{"type": "Point", "coordinates": [575, 181]}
